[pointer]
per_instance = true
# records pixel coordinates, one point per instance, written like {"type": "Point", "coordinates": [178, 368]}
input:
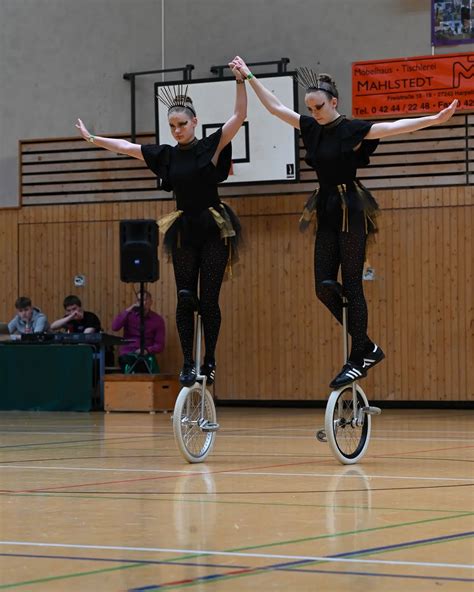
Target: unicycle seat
{"type": "Point", "coordinates": [189, 299]}
{"type": "Point", "coordinates": [334, 287]}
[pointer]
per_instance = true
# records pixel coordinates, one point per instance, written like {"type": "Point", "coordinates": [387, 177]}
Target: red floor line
{"type": "Point", "coordinates": [419, 451]}
{"type": "Point", "coordinates": [41, 489]}
{"type": "Point", "coordinates": [214, 577]}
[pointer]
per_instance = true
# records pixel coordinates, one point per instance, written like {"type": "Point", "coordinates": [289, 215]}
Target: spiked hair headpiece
{"type": "Point", "coordinates": [310, 81]}
{"type": "Point", "coordinates": [175, 96]}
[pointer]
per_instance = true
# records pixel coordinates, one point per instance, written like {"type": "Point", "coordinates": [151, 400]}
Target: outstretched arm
{"type": "Point", "coordinates": [112, 144]}
{"type": "Point", "coordinates": [403, 126]}
{"type": "Point", "coordinates": [232, 125]}
{"type": "Point", "coordinates": [270, 101]}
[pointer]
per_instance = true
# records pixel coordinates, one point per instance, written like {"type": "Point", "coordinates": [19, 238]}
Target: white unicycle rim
{"type": "Point", "coordinates": [193, 443]}
{"type": "Point", "coordinates": [357, 436]}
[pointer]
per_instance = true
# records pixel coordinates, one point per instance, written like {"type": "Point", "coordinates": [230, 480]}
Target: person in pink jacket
{"type": "Point", "coordinates": [129, 321]}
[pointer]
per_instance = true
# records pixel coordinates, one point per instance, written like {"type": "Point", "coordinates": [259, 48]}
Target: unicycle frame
{"type": "Point", "coordinates": [345, 346]}
{"type": "Point", "coordinates": [200, 378]}
{"type": "Point", "coordinates": [197, 354]}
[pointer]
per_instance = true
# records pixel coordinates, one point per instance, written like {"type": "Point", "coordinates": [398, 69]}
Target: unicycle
{"type": "Point", "coordinates": [194, 416]}
{"type": "Point", "coordinates": [348, 416]}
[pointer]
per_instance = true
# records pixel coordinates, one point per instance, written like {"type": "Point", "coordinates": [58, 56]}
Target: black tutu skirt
{"type": "Point", "coordinates": [341, 206]}
{"type": "Point", "coordinates": [194, 230]}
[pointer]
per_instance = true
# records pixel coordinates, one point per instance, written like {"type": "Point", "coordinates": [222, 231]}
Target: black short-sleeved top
{"type": "Point", "coordinates": [189, 172]}
{"type": "Point", "coordinates": [330, 148]}
{"type": "Point", "coordinates": [89, 321]}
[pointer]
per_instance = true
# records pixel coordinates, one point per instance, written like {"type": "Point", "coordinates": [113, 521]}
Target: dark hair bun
{"type": "Point", "coordinates": [327, 78]}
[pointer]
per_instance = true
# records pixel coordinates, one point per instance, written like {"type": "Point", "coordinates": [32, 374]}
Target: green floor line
{"type": "Point", "coordinates": [351, 532]}
{"type": "Point", "coordinates": [324, 536]}
{"type": "Point", "coordinates": [233, 503]}
{"type": "Point", "coordinates": [68, 576]}
{"type": "Point", "coordinates": [399, 548]}
{"type": "Point", "coordinates": [259, 571]}
{"type": "Point", "coordinates": [254, 547]}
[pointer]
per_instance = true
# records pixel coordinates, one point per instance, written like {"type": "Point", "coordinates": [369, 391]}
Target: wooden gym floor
{"type": "Point", "coordinates": [104, 502]}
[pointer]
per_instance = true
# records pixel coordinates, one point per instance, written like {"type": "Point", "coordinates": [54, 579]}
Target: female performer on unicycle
{"type": "Point", "coordinates": [345, 210]}
{"type": "Point", "coordinates": [202, 233]}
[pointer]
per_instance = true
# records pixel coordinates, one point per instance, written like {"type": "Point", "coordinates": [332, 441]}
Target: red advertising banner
{"type": "Point", "coordinates": [412, 86]}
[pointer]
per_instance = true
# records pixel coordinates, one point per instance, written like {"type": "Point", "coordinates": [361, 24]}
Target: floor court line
{"type": "Point", "coordinates": [394, 431]}
{"type": "Point", "coordinates": [170, 454]}
{"type": "Point", "coordinates": [353, 532]}
{"type": "Point", "coordinates": [159, 498]}
{"type": "Point", "coordinates": [221, 471]}
{"type": "Point", "coordinates": [74, 485]}
{"type": "Point", "coordinates": [40, 445]}
{"type": "Point", "coordinates": [69, 576]}
{"type": "Point", "coordinates": [296, 566]}
{"type": "Point", "coordinates": [230, 472]}
{"type": "Point", "coordinates": [201, 552]}
{"type": "Point", "coordinates": [408, 544]}
{"type": "Point", "coordinates": [299, 560]}
{"type": "Point", "coordinates": [120, 560]}
{"type": "Point", "coordinates": [398, 453]}
{"type": "Point", "coordinates": [277, 567]}
{"type": "Point", "coordinates": [375, 574]}
{"type": "Point", "coordinates": [123, 437]}
{"type": "Point", "coordinates": [223, 434]}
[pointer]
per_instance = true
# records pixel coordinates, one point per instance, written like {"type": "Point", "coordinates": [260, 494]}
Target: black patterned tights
{"type": "Point", "coordinates": [334, 249]}
{"type": "Point", "coordinates": [205, 264]}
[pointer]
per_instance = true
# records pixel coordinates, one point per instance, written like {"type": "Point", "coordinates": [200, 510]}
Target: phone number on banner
{"type": "Point", "coordinates": [424, 84]}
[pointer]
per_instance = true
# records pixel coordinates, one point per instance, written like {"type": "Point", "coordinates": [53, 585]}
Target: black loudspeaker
{"type": "Point", "coordinates": [139, 251]}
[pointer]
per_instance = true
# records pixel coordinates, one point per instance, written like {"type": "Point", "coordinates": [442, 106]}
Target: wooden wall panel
{"type": "Point", "coordinates": [8, 262]}
{"type": "Point", "coordinates": [277, 341]}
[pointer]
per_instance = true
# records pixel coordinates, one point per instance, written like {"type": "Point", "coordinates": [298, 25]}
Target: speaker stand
{"type": "Point", "coordinates": [141, 356]}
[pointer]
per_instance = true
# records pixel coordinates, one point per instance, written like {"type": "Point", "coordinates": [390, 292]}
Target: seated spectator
{"type": "Point", "coordinates": [129, 320]}
{"type": "Point", "coordinates": [29, 319]}
{"type": "Point", "coordinates": [76, 320]}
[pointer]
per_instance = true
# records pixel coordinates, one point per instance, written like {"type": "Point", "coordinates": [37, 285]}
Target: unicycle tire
{"type": "Point", "coordinates": [193, 443]}
{"type": "Point", "coordinates": [348, 442]}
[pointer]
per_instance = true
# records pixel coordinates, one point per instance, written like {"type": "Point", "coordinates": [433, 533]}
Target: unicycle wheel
{"type": "Point", "coordinates": [347, 437]}
{"type": "Point", "coordinates": [193, 442]}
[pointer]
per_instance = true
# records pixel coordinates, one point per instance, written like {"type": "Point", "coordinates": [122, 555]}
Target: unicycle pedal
{"type": "Point", "coordinates": [321, 436]}
{"type": "Point", "coordinates": [208, 426]}
{"type": "Point", "coordinates": [370, 410]}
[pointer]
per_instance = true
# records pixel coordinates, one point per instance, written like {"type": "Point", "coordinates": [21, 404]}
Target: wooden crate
{"type": "Point", "coordinates": [140, 392]}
